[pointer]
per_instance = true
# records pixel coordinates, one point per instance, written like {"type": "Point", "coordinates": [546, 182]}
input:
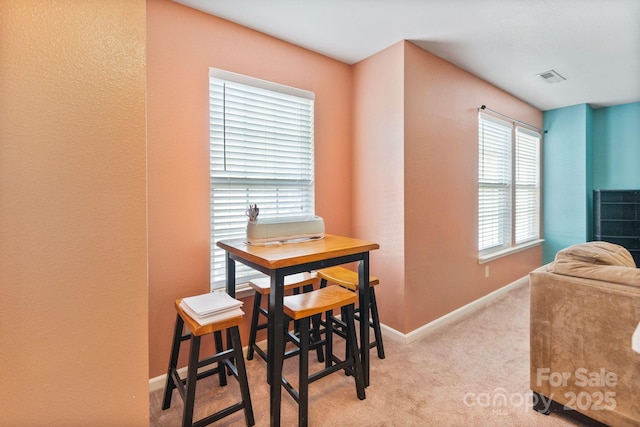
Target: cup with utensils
{"type": "Point", "coordinates": [252, 212]}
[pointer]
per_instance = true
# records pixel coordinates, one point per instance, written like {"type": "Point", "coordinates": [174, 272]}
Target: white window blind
{"type": "Point", "coordinates": [508, 184]}
{"type": "Point", "coordinates": [261, 152]}
{"type": "Point", "coordinates": [527, 213]}
{"type": "Point", "coordinates": [494, 179]}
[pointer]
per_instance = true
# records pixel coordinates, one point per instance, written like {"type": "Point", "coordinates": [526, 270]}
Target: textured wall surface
{"type": "Point", "coordinates": [566, 169]}
{"type": "Point", "coordinates": [616, 147]}
{"type": "Point", "coordinates": [73, 269]}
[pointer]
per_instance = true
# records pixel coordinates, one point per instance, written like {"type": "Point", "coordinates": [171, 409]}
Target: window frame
{"type": "Point", "coordinates": [511, 243]}
{"type": "Point", "coordinates": [283, 170]}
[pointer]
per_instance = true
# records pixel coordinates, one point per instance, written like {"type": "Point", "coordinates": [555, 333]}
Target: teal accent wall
{"type": "Point", "coordinates": [585, 149]}
{"type": "Point", "coordinates": [589, 119]}
{"type": "Point", "coordinates": [566, 165]}
{"type": "Point", "coordinates": [616, 147]}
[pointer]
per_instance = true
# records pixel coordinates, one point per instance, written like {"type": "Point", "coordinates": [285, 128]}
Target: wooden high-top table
{"type": "Point", "coordinates": [280, 260]}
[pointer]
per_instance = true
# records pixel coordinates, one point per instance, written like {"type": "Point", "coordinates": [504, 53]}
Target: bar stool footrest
{"type": "Point", "coordinates": [219, 415]}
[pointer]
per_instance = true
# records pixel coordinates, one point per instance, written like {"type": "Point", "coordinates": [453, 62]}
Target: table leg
{"type": "Point", "coordinates": [231, 276]}
{"type": "Point", "coordinates": [275, 344]}
{"type": "Point", "coordinates": [363, 293]}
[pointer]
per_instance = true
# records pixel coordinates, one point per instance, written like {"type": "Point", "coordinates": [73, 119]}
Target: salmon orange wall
{"type": "Point", "coordinates": [428, 264]}
{"type": "Point", "coordinates": [441, 173]}
{"type": "Point", "coordinates": [182, 44]}
{"type": "Point", "coordinates": [73, 264]}
{"type": "Point", "coordinates": [378, 174]}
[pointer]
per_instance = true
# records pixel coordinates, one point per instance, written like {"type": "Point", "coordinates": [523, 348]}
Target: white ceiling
{"type": "Point", "coordinates": [594, 44]}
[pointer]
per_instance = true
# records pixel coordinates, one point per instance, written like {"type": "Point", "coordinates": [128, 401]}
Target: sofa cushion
{"type": "Point", "coordinates": [599, 253]}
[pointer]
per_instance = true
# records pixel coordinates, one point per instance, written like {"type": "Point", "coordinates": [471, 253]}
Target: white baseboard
{"type": "Point", "coordinates": [451, 317]}
{"type": "Point", "coordinates": [388, 332]}
{"type": "Point", "coordinates": [158, 382]}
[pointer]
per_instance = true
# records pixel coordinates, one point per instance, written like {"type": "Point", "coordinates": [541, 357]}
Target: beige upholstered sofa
{"type": "Point", "coordinates": [585, 307]}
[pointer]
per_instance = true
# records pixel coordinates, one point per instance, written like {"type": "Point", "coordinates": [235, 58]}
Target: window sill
{"type": "Point", "coordinates": [243, 290]}
{"type": "Point", "coordinates": [504, 252]}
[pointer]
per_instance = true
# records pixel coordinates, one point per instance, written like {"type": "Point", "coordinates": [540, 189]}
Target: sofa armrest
{"type": "Point", "coordinates": [629, 276]}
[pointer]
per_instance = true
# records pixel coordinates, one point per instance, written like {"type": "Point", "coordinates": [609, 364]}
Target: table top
{"type": "Point", "coordinates": [274, 256]}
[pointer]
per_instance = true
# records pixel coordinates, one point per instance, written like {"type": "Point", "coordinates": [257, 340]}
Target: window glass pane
{"type": "Point", "coordinates": [508, 184]}
{"type": "Point", "coordinates": [261, 152]}
{"type": "Point", "coordinates": [527, 185]}
{"type": "Point", "coordinates": [494, 180]}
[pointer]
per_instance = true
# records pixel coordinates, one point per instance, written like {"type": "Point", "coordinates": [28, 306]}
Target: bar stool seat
{"type": "Point", "coordinates": [262, 286]}
{"type": "Point", "coordinates": [349, 279]}
{"type": "Point", "coordinates": [303, 307]}
{"type": "Point", "coordinates": [231, 359]}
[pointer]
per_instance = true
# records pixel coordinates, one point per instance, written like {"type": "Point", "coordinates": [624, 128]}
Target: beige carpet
{"type": "Point", "coordinates": [459, 375]}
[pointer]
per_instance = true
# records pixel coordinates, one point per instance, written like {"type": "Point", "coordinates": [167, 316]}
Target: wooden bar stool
{"type": "Point", "coordinates": [303, 307]}
{"type": "Point", "coordinates": [349, 279]}
{"type": "Point", "coordinates": [262, 287]}
{"type": "Point", "coordinates": [232, 359]}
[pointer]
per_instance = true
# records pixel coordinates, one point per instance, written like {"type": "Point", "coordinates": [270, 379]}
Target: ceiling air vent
{"type": "Point", "coordinates": [551, 77]}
